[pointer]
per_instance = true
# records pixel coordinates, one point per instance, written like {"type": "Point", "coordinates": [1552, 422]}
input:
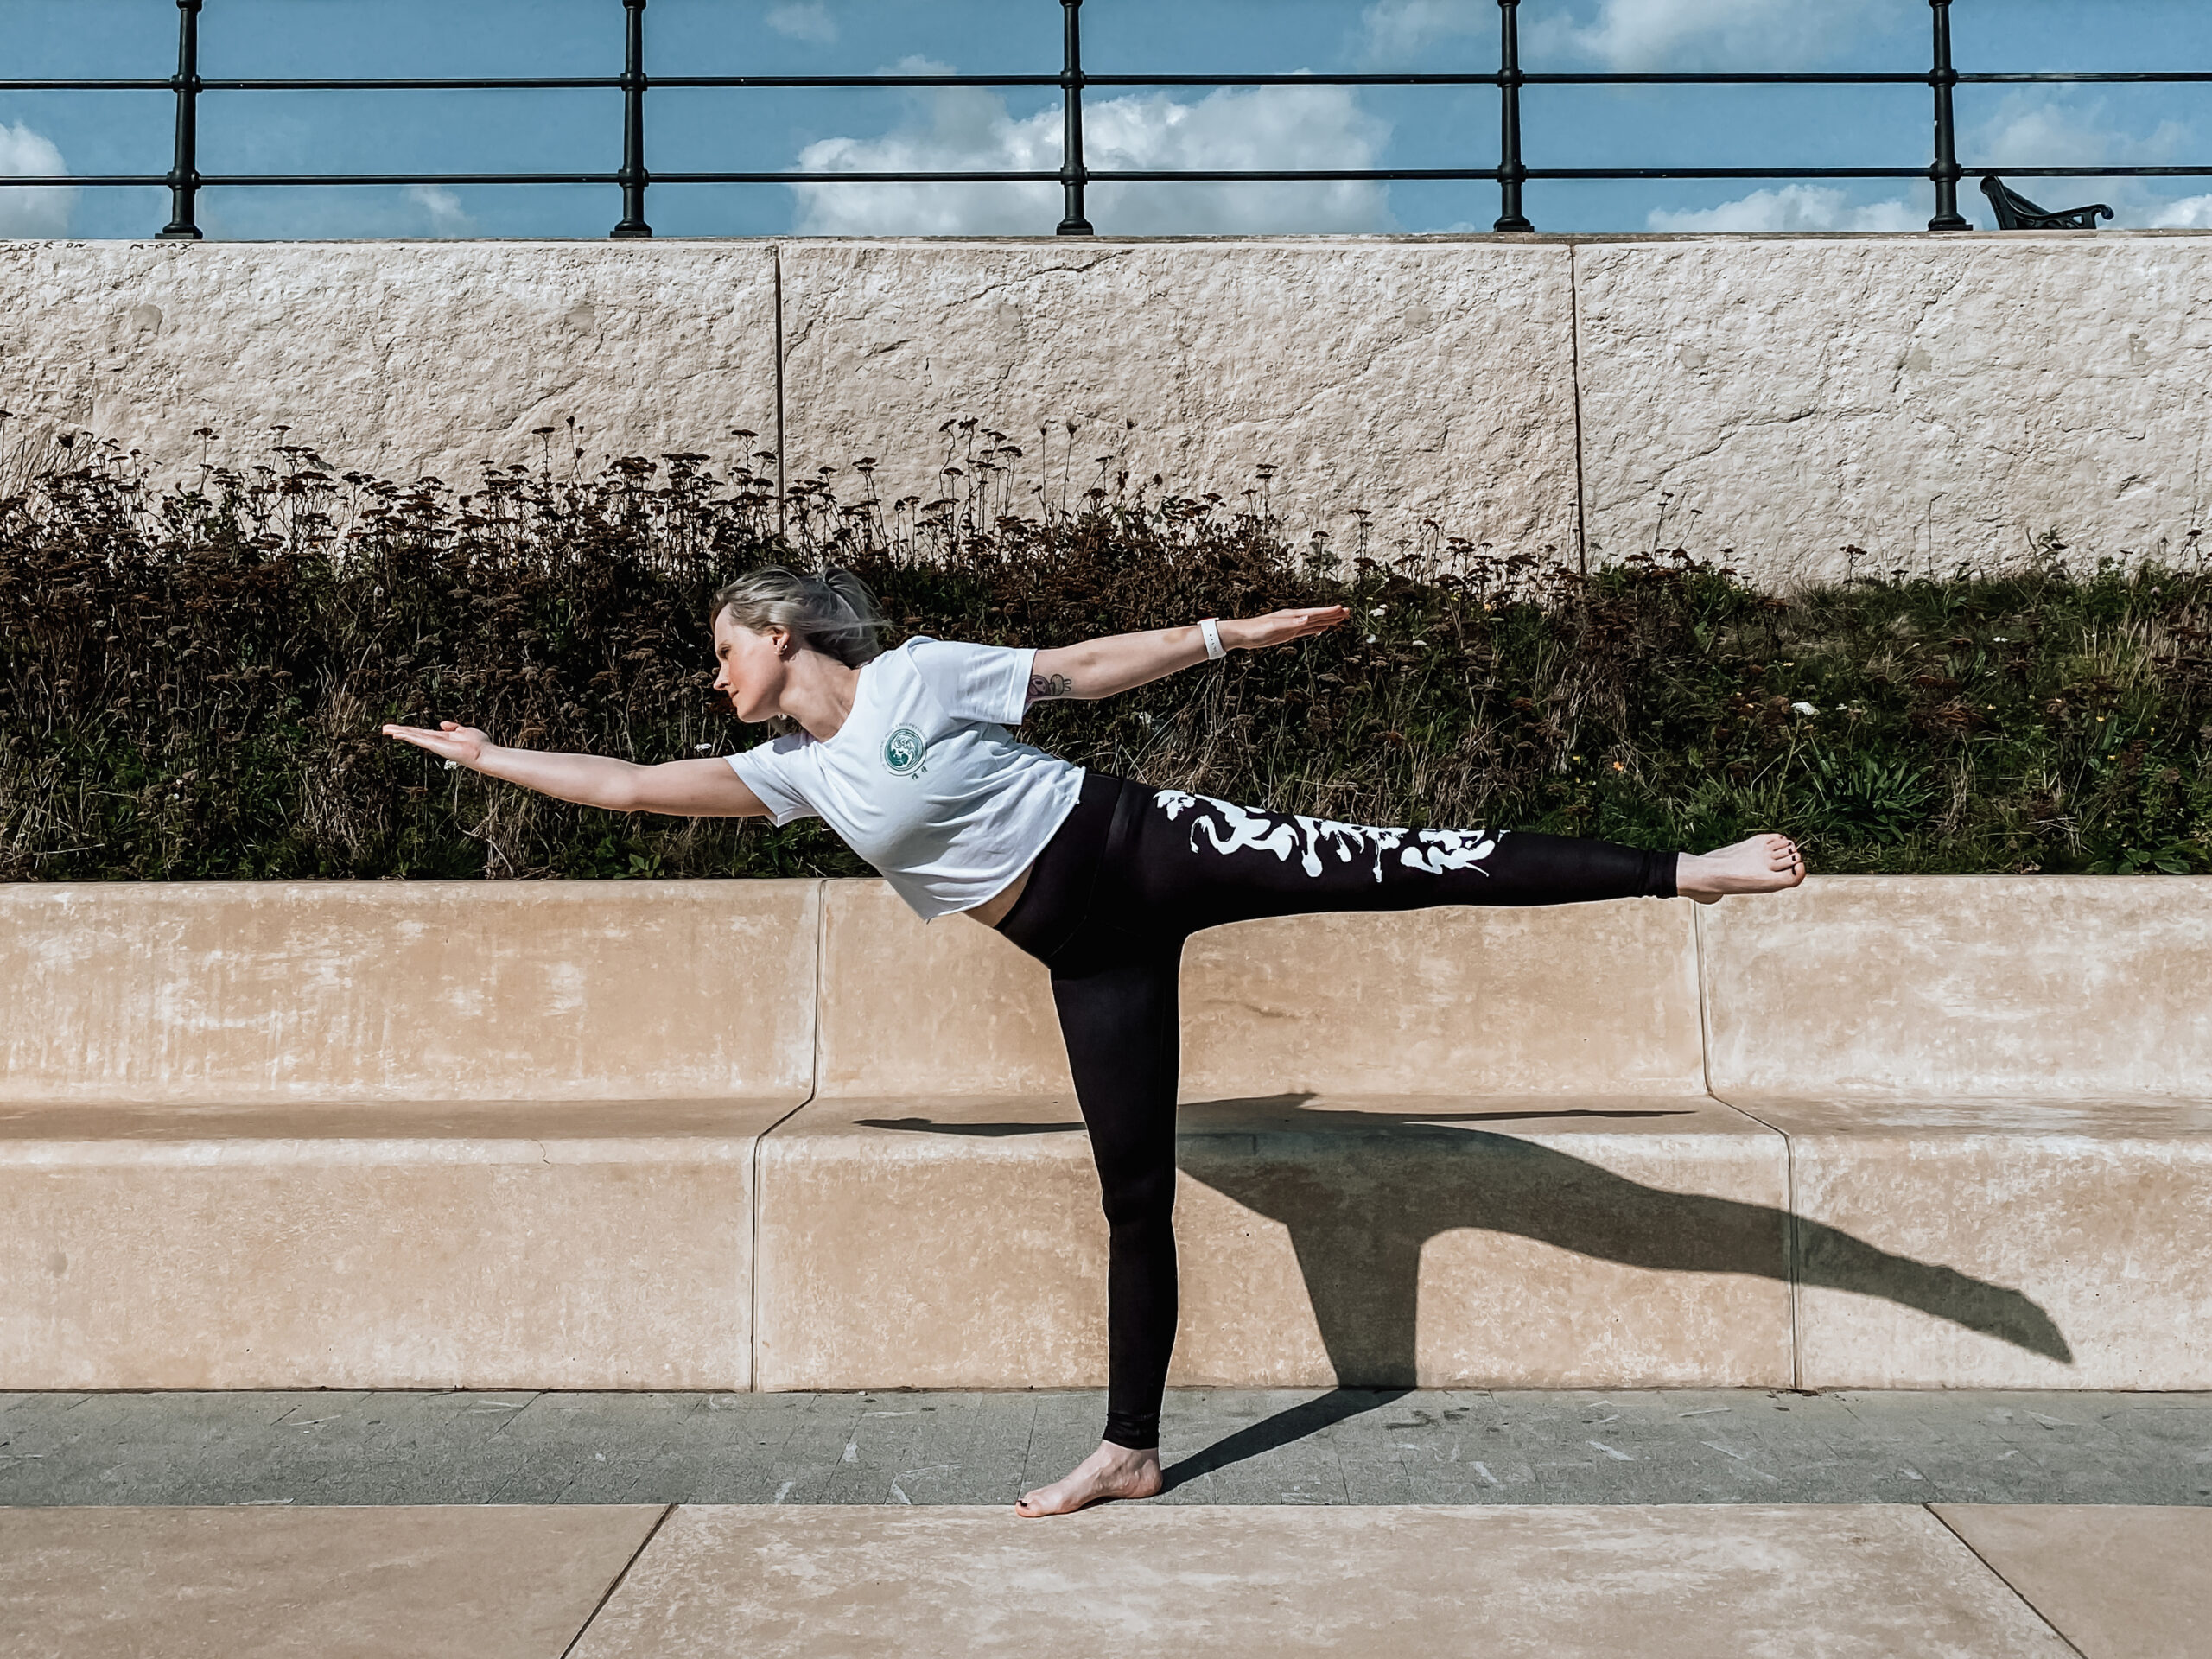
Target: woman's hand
{"type": "Point", "coordinates": [1280, 627]}
{"type": "Point", "coordinates": [464, 745]}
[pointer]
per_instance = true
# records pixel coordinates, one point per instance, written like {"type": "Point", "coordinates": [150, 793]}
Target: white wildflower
{"type": "Point", "coordinates": [452, 766]}
{"type": "Point", "coordinates": [1803, 709]}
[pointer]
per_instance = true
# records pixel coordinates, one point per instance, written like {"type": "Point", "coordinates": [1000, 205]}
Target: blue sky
{"type": "Point", "coordinates": [1288, 127]}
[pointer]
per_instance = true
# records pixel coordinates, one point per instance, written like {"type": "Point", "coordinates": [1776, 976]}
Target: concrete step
{"type": "Point", "coordinates": [1894, 1133]}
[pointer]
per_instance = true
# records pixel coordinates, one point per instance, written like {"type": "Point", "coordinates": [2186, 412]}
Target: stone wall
{"type": "Point", "coordinates": [1919, 397]}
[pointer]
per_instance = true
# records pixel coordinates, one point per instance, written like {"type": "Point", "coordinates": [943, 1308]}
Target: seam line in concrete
{"type": "Point", "coordinates": [1789, 1149]}
{"type": "Point", "coordinates": [813, 1091]}
{"type": "Point", "coordinates": [1704, 998]}
{"type": "Point", "coordinates": [1574, 368]}
{"type": "Point", "coordinates": [1790, 1275]}
{"type": "Point", "coordinates": [2036, 1611]}
{"type": "Point", "coordinates": [776, 277]}
{"type": "Point", "coordinates": [599, 1607]}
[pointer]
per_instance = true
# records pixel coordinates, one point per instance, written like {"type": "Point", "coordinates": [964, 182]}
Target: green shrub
{"type": "Point", "coordinates": [191, 681]}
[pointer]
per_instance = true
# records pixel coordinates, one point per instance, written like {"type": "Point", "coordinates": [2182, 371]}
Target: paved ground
{"type": "Point", "coordinates": [581, 1581]}
{"type": "Point", "coordinates": [1222, 1448]}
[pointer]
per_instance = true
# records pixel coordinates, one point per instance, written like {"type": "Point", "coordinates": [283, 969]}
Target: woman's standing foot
{"type": "Point", "coordinates": [1755, 864]}
{"type": "Point", "coordinates": [1110, 1471]}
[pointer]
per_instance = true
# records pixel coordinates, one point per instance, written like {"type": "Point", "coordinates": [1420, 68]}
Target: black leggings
{"type": "Point", "coordinates": [1136, 871]}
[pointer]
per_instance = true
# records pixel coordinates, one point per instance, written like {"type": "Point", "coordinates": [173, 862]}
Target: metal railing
{"type": "Point", "coordinates": [1510, 173]}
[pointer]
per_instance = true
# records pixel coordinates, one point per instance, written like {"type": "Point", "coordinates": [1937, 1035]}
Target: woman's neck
{"type": "Point", "coordinates": [818, 692]}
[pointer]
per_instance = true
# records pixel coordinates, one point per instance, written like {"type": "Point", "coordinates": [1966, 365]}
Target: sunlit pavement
{"type": "Point", "coordinates": [1706, 1522]}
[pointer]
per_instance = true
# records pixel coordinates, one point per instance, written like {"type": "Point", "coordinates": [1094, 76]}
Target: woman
{"type": "Point", "coordinates": [907, 755]}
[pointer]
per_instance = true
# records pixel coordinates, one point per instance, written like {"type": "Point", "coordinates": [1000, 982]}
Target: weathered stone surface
{"type": "Point", "coordinates": [1930, 399]}
{"type": "Point", "coordinates": [513, 1246]}
{"type": "Point", "coordinates": [491, 1582]}
{"type": "Point", "coordinates": [2113, 1579]}
{"type": "Point", "coordinates": [1995, 1244]}
{"type": "Point", "coordinates": [1562, 999]}
{"type": "Point", "coordinates": [232, 993]}
{"type": "Point", "coordinates": [1921, 398]}
{"type": "Point", "coordinates": [1416, 378]}
{"type": "Point", "coordinates": [399, 358]}
{"type": "Point", "coordinates": [1604, 1241]}
{"type": "Point", "coordinates": [1417, 1583]}
{"type": "Point", "coordinates": [1463, 1146]}
{"type": "Point", "coordinates": [1926, 989]}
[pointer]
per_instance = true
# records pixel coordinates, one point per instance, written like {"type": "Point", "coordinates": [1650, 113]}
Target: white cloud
{"type": "Point", "coordinates": [1399, 31]}
{"type": "Point", "coordinates": [31, 210]}
{"type": "Point", "coordinates": [2190, 214]}
{"type": "Point", "coordinates": [1795, 207]}
{"type": "Point", "coordinates": [1628, 35]}
{"type": "Point", "coordinates": [442, 208]}
{"type": "Point", "coordinates": [804, 20]}
{"type": "Point", "coordinates": [970, 129]}
{"type": "Point", "coordinates": [2028, 129]}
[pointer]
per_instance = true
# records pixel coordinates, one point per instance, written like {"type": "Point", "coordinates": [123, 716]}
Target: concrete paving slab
{"type": "Point", "coordinates": [407, 1583]}
{"type": "Point", "coordinates": [1410, 1582]}
{"type": "Point", "coordinates": [1359, 1446]}
{"type": "Point", "coordinates": [2119, 1583]}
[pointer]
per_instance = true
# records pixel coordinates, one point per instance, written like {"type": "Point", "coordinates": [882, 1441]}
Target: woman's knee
{"type": "Point", "coordinates": [1138, 1203]}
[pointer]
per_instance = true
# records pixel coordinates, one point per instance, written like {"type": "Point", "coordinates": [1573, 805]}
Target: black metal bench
{"type": "Point", "coordinates": [2016, 213]}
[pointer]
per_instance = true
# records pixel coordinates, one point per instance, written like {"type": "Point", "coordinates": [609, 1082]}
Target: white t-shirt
{"type": "Point", "coordinates": [923, 781]}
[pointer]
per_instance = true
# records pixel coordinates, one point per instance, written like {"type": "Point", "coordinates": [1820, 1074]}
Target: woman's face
{"type": "Point", "coordinates": [752, 668]}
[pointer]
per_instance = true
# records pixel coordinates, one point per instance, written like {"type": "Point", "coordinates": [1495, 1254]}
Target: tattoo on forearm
{"type": "Point", "coordinates": [1045, 688]}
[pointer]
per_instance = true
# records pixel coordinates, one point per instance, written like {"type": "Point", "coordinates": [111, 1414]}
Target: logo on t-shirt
{"type": "Point", "coordinates": [903, 752]}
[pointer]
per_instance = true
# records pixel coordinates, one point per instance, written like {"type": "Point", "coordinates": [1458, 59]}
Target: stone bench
{"type": "Point", "coordinates": [1456, 1146]}
{"type": "Point", "coordinates": [2008, 1078]}
{"type": "Point", "coordinates": [1882, 1132]}
{"type": "Point", "coordinates": [391, 1135]}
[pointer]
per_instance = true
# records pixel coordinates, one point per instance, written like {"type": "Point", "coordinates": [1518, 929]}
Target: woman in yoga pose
{"type": "Point", "coordinates": [907, 755]}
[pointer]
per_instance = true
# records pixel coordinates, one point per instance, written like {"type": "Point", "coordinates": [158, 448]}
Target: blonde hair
{"type": "Point", "coordinates": [832, 612]}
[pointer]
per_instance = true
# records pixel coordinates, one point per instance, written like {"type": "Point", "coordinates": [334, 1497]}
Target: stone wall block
{"type": "Point", "coordinates": [1419, 379]}
{"type": "Point", "coordinates": [1927, 399]}
{"type": "Point", "coordinates": [396, 358]}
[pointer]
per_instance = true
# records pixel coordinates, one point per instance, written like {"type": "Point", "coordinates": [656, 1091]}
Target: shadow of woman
{"type": "Point", "coordinates": [1393, 1181]}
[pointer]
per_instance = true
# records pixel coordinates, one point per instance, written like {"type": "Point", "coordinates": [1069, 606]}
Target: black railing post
{"type": "Point", "coordinates": [1073, 177]}
{"type": "Point", "coordinates": [1946, 171]}
{"type": "Point", "coordinates": [1510, 173]}
{"type": "Point", "coordinates": [633, 174]}
{"type": "Point", "coordinates": [184, 164]}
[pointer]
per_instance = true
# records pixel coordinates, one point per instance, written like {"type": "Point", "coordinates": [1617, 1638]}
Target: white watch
{"type": "Point", "coordinates": [1210, 630]}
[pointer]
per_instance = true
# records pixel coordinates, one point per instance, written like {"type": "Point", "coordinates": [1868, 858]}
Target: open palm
{"type": "Point", "coordinates": [1280, 627]}
{"type": "Point", "coordinates": [463, 745]}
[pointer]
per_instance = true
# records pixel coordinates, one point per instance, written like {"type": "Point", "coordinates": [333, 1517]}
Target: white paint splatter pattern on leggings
{"type": "Point", "coordinates": [1227, 827]}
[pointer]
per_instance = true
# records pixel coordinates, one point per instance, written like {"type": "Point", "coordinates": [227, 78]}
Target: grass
{"type": "Point", "coordinates": [191, 680]}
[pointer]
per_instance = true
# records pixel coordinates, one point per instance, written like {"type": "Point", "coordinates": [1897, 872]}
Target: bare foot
{"type": "Point", "coordinates": [1110, 1471]}
{"type": "Point", "coordinates": [1755, 864]}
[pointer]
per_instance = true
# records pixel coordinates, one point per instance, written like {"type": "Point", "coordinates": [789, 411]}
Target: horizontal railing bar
{"type": "Point", "coordinates": [614, 82]}
{"type": "Point", "coordinates": [87, 86]}
{"type": "Point", "coordinates": [1194, 176]}
{"type": "Point", "coordinates": [209, 180]}
{"type": "Point", "coordinates": [2116, 75]}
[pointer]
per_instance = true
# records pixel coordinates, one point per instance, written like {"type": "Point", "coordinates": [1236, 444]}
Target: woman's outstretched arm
{"type": "Point", "coordinates": [1121, 662]}
{"type": "Point", "coordinates": [684, 788]}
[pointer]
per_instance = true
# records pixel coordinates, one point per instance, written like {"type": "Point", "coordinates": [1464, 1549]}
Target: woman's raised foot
{"type": "Point", "coordinates": [1111, 1472]}
{"type": "Point", "coordinates": [1755, 864]}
